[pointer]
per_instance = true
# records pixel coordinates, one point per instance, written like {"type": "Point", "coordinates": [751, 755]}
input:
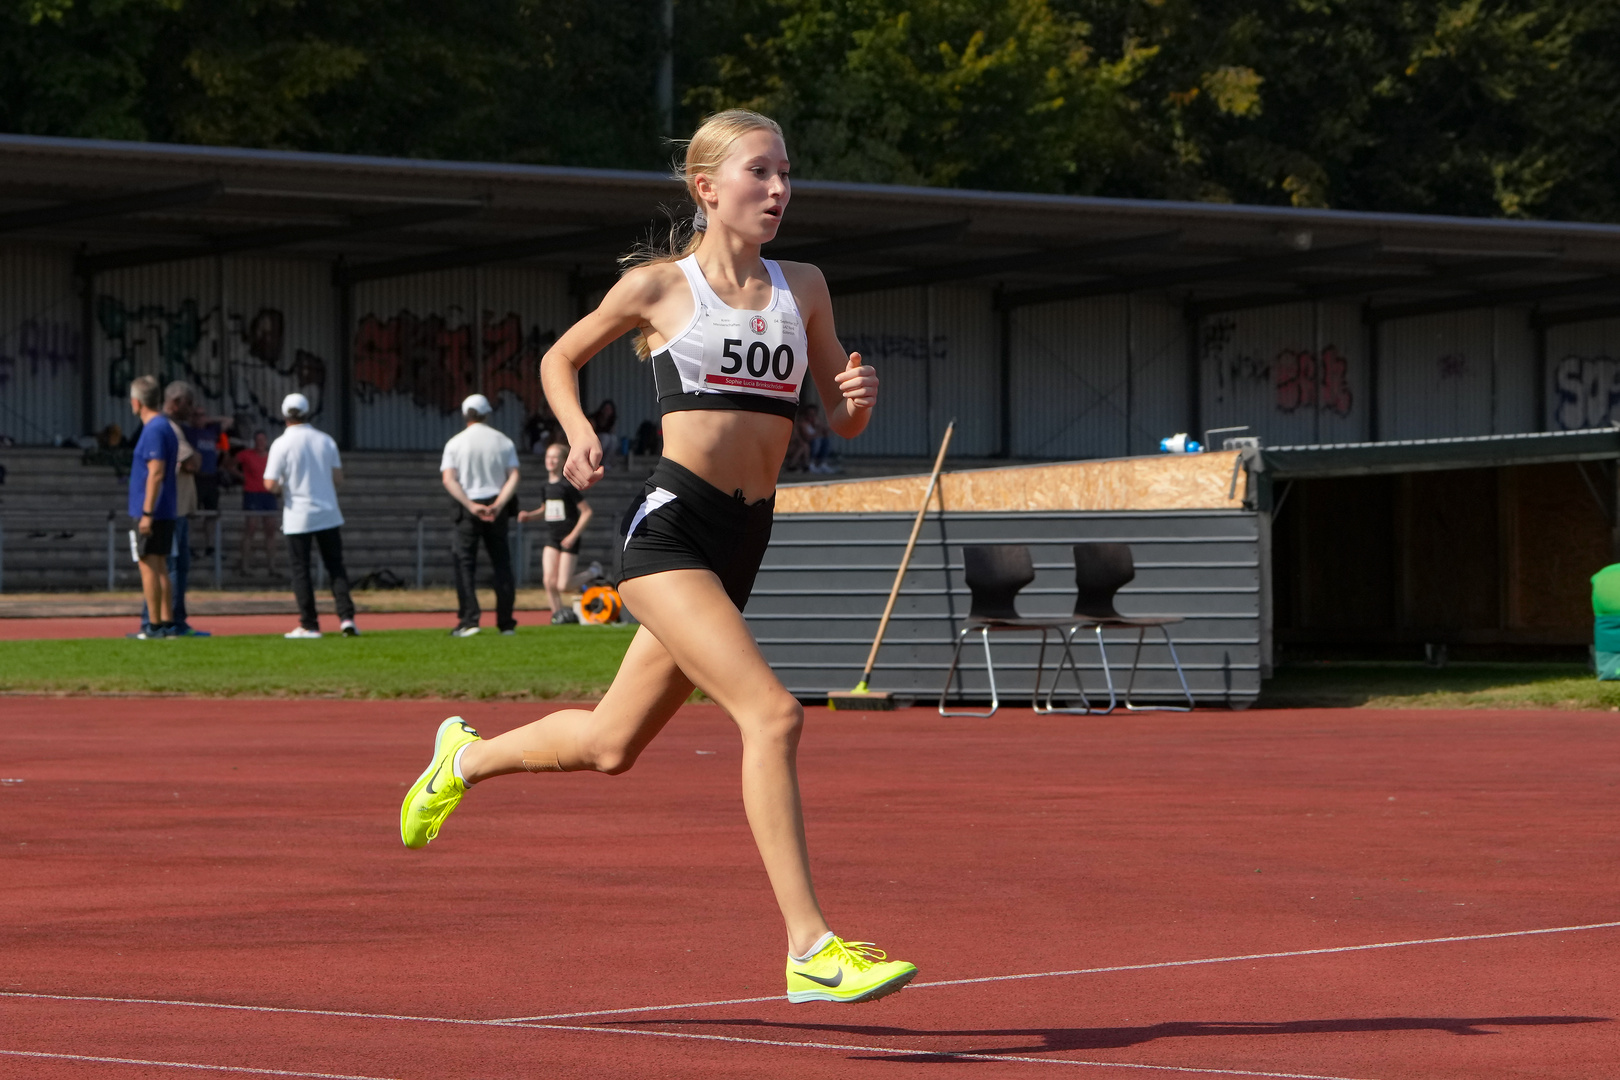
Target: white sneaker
{"type": "Point", "coordinates": [348, 628]}
{"type": "Point", "coordinates": [464, 631]}
{"type": "Point", "coordinates": [300, 632]}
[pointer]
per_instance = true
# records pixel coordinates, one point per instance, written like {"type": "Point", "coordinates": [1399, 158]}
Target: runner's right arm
{"type": "Point", "coordinates": [626, 307]}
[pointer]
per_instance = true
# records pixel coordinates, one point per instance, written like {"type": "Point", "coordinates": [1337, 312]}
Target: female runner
{"type": "Point", "coordinates": [731, 337]}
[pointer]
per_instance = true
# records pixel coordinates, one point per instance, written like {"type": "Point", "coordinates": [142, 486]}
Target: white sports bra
{"type": "Point", "coordinates": [730, 359]}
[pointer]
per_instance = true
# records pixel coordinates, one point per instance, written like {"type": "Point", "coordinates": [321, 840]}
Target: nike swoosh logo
{"type": "Point", "coordinates": [834, 981]}
{"type": "Point", "coordinates": [435, 776]}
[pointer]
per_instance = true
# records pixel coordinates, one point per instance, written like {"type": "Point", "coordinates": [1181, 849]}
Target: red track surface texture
{"type": "Point", "coordinates": [165, 850]}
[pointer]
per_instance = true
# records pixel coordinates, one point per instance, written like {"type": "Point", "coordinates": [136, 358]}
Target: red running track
{"type": "Point", "coordinates": [168, 850]}
{"type": "Point", "coordinates": [114, 626]}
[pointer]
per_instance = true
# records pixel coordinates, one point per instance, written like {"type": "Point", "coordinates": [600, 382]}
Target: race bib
{"type": "Point", "coordinates": [753, 352]}
{"type": "Point", "coordinates": [556, 510]}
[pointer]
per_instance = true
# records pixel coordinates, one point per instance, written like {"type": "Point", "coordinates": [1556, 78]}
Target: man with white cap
{"type": "Point", "coordinates": [480, 471]}
{"type": "Point", "coordinates": [304, 468]}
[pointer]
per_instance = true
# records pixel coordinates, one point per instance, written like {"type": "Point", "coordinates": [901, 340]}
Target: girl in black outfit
{"type": "Point", "coordinates": [566, 513]}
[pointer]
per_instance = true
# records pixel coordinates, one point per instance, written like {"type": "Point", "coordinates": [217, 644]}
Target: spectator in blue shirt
{"type": "Point", "coordinates": [152, 503]}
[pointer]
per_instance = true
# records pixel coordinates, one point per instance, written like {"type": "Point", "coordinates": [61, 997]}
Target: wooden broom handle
{"type": "Point", "coordinates": [905, 560]}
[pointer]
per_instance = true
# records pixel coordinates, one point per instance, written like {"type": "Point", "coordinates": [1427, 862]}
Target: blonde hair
{"type": "Point", "coordinates": [706, 150]}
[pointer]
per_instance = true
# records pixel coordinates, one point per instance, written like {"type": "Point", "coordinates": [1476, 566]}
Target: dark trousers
{"type": "Point", "coordinates": [179, 574]}
{"type": "Point", "coordinates": [464, 551]}
{"type": "Point", "coordinates": [330, 542]}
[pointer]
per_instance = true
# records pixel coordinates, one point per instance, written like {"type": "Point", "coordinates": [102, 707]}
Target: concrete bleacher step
{"type": "Point", "coordinates": [55, 510]}
{"type": "Point", "coordinates": [55, 513]}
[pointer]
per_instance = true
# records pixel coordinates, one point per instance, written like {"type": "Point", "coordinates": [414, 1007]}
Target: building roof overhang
{"type": "Point", "coordinates": [122, 205]}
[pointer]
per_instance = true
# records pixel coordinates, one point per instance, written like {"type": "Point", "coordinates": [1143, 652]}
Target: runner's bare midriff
{"type": "Point", "coordinates": [730, 450]}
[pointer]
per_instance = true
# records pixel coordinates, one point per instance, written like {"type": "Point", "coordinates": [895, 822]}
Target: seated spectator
{"type": "Point", "coordinates": [602, 422]}
{"type": "Point", "coordinates": [798, 451]}
{"type": "Point", "coordinates": [259, 506]}
{"type": "Point", "coordinates": [649, 439]}
{"type": "Point", "coordinates": [815, 432]}
{"type": "Point", "coordinates": [540, 430]}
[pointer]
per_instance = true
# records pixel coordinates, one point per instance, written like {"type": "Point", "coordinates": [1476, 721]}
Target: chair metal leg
{"type": "Point", "coordinates": [1174, 659]}
{"type": "Point", "coordinates": [995, 700]}
{"type": "Point", "coordinates": [1073, 666]}
{"type": "Point", "coordinates": [1108, 672]}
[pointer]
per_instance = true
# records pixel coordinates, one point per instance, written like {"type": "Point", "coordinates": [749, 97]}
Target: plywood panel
{"type": "Point", "coordinates": [1169, 482]}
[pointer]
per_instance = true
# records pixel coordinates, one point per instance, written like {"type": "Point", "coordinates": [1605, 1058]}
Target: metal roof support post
{"type": "Point", "coordinates": [582, 308]}
{"type": "Point", "coordinates": [1130, 368]}
{"type": "Point", "coordinates": [1005, 375]}
{"type": "Point", "coordinates": [1374, 356]}
{"type": "Point", "coordinates": [87, 352]}
{"type": "Point", "coordinates": [1318, 374]}
{"type": "Point", "coordinates": [1195, 376]}
{"type": "Point", "coordinates": [1538, 331]}
{"type": "Point", "coordinates": [345, 364]}
{"type": "Point", "coordinates": [478, 344]}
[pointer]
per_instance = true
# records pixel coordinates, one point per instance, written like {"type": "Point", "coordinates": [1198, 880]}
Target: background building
{"type": "Point", "coordinates": [1049, 327]}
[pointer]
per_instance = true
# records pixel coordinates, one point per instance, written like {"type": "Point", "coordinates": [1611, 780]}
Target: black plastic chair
{"type": "Point", "coordinates": [995, 574]}
{"type": "Point", "coordinates": [1100, 571]}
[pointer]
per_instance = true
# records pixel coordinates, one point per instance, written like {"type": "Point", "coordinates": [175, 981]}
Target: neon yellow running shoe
{"type": "Point", "coordinates": [437, 791]}
{"type": "Point", "coordinates": [847, 971]}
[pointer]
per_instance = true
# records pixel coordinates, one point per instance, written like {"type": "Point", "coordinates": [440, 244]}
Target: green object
{"type": "Point", "coordinates": [555, 663]}
{"type": "Point", "coordinates": [1606, 633]}
{"type": "Point", "coordinates": [1606, 591]}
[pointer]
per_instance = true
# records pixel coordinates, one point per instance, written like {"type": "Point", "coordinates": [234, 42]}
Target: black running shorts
{"type": "Point", "coordinates": [160, 541]}
{"type": "Point", "coordinates": [683, 522]}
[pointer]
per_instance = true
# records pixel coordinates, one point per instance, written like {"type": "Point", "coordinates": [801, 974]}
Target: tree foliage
{"type": "Point", "coordinates": [1486, 107]}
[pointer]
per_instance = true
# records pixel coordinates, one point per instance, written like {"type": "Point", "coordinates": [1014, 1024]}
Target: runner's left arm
{"type": "Point", "coordinates": [847, 384]}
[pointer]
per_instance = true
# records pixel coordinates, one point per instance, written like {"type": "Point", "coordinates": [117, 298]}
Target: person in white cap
{"type": "Point", "coordinates": [304, 469]}
{"type": "Point", "coordinates": [480, 471]}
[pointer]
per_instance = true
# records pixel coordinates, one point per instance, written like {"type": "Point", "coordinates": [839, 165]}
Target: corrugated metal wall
{"type": "Point", "coordinates": [1460, 373]}
{"type": "Point", "coordinates": [1159, 384]}
{"type": "Point", "coordinates": [1070, 389]}
{"type": "Point", "coordinates": [965, 380]}
{"type": "Point", "coordinates": [1094, 378]}
{"type": "Point", "coordinates": [891, 332]}
{"type": "Point", "coordinates": [415, 358]}
{"type": "Point", "coordinates": [616, 375]}
{"type": "Point", "coordinates": [417, 353]}
{"type": "Point", "coordinates": [1294, 374]}
{"type": "Point", "coordinates": [40, 346]}
{"type": "Point", "coordinates": [1583, 375]}
{"type": "Point", "coordinates": [1204, 566]}
{"type": "Point", "coordinates": [244, 332]}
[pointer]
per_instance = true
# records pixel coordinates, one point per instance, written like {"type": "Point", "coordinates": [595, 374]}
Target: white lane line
{"type": "Point", "coordinates": [189, 1065]}
{"type": "Point", "coordinates": [252, 1008]}
{"type": "Point", "coordinates": [1101, 970]}
{"type": "Point", "coordinates": [1274, 955]}
{"type": "Point", "coordinates": [953, 1054]}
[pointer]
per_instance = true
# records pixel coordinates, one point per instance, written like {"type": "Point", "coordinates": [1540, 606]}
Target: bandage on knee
{"type": "Point", "coordinates": [541, 761]}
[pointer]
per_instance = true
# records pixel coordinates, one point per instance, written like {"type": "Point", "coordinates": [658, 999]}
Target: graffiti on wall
{"type": "Point", "coordinates": [431, 359]}
{"type": "Point", "coordinates": [240, 364]}
{"type": "Point", "coordinates": [39, 346]}
{"type": "Point", "coordinates": [1299, 378]}
{"type": "Point", "coordinates": [1586, 392]}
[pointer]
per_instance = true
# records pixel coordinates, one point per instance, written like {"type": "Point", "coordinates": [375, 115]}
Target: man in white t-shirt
{"type": "Point", "coordinates": [303, 467]}
{"type": "Point", "coordinates": [480, 471]}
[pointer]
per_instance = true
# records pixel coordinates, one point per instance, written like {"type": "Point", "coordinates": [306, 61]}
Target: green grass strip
{"type": "Point", "coordinates": [542, 662]}
{"type": "Point", "coordinates": [1464, 685]}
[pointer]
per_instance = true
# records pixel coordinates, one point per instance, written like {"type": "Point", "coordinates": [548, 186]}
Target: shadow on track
{"type": "Point", "coordinates": [1060, 1039]}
